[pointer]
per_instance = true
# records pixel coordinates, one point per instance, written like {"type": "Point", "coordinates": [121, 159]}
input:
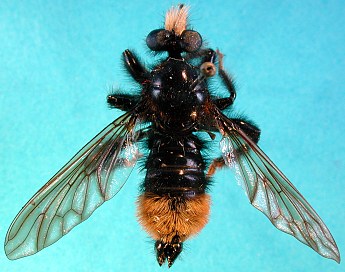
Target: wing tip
{"type": "Point", "coordinates": [336, 257]}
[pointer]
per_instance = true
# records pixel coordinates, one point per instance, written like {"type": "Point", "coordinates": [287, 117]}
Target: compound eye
{"type": "Point", "coordinates": [192, 40]}
{"type": "Point", "coordinates": [157, 39]}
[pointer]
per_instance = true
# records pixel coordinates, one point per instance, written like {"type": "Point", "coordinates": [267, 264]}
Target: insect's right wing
{"type": "Point", "coordinates": [271, 192]}
{"type": "Point", "coordinates": [94, 175]}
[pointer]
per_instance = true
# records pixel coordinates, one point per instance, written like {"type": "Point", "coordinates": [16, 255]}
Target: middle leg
{"type": "Point", "coordinates": [123, 102]}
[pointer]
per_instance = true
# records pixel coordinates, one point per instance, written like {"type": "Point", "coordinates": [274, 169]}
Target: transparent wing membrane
{"type": "Point", "coordinates": [272, 193]}
{"type": "Point", "coordinates": [94, 175]}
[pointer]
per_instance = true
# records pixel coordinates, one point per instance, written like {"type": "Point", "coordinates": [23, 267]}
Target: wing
{"type": "Point", "coordinates": [94, 175]}
{"type": "Point", "coordinates": [272, 193]}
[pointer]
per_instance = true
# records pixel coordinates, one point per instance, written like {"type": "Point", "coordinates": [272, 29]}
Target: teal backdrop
{"type": "Point", "coordinates": [59, 60]}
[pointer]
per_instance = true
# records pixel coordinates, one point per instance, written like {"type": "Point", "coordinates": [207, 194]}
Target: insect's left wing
{"type": "Point", "coordinates": [271, 192]}
{"type": "Point", "coordinates": [94, 175]}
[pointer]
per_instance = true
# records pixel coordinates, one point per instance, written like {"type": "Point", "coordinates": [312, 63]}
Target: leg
{"type": "Point", "coordinates": [207, 124]}
{"type": "Point", "coordinates": [206, 67]}
{"type": "Point", "coordinates": [223, 103]}
{"type": "Point", "coordinates": [123, 102]}
{"type": "Point", "coordinates": [126, 102]}
{"type": "Point", "coordinates": [135, 68]}
{"type": "Point", "coordinates": [209, 55]}
{"type": "Point", "coordinates": [248, 128]}
{"type": "Point", "coordinates": [214, 166]}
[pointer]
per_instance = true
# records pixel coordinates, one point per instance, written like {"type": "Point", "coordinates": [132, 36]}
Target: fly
{"type": "Point", "coordinates": [172, 109]}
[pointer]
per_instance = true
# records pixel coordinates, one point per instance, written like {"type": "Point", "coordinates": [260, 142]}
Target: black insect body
{"type": "Point", "coordinates": [172, 109]}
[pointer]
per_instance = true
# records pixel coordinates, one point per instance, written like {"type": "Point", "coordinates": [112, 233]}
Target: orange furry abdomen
{"type": "Point", "coordinates": [165, 216]}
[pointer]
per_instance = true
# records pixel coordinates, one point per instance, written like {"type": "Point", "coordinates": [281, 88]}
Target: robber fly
{"type": "Point", "coordinates": [173, 108]}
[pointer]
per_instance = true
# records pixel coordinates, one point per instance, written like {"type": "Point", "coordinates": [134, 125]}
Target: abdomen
{"type": "Point", "coordinates": [173, 203]}
{"type": "Point", "coordinates": [175, 166]}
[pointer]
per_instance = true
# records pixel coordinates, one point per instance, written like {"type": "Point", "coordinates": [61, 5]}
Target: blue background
{"type": "Point", "coordinates": [59, 60]}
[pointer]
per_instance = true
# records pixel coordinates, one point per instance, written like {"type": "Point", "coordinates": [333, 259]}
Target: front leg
{"type": "Point", "coordinates": [223, 103]}
{"type": "Point", "coordinates": [135, 68]}
{"type": "Point", "coordinates": [209, 55]}
{"type": "Point", "coordinates": [139, 73]}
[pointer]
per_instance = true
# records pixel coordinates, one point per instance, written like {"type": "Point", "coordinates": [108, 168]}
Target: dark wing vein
{"type": "Point", "coordinates": [94, 175]}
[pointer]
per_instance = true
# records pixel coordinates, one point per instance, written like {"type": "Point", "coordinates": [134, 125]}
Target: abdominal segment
{"type": "Point", "coordinates": [166, 216]}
